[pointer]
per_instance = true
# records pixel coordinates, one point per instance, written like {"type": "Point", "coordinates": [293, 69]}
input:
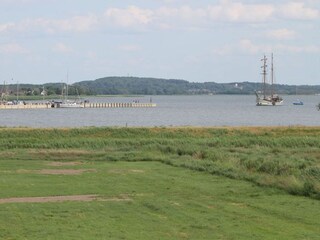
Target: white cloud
{"type": "Point", "coordinates": [224, 50]}
{"type": "Point", "coordinates": [77, 23]}
{"type": "Point", "coordinates": [6, 27]}
{"type": "Point", "coordinates": [74, 24]}
{"type": "Point", "coordinates": [191, 14]}
{"type": "Point", "coordinates": [23, 1]}
{"type": "Point", "coordinates": [239, 12]}
{"type": "Point", "coordinates": [13, 1]}
{"type": "Point", "coordinates": [225, 11]}
{"type": "Point", "coordinates": [184, 17]}
{"type": "Point", "coordinates": [91, 55]}
{"type": "Point", "coordinates": [298, 49]}
{"type": "Point", "coordinates": [249, 47]}
{"type": "Point", "coordinates": [130, 16]}
{"type": "Point", "coordinates": [129, 48]}
{"type": "Point", "coordinates": [13, 48]}
{"type": "Point", "coordinates": [298, 10]}
{"type": "Point", "coordinates": [281, 34]}
{"type": "Point", "coordinates": [62, 48]}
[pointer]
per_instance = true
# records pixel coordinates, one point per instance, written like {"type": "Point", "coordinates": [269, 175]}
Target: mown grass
{"type": "Point", "coordinates": [184, 183]}
{"type": "Point", "coordinates": [286, 158]}
{"type": "Point", "coordinates": [167, 203]}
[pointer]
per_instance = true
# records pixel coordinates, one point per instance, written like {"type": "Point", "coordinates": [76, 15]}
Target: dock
{"type": "Point", "coordinates": [50, 105]}
{"type": "Point", "coordinates": [119, 105]}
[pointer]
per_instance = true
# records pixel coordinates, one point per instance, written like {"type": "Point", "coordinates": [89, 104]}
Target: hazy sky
{"type": "Point", "coordinates": [198, 40]}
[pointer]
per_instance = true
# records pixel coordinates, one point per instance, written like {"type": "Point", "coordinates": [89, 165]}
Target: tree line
{"type": "Point", "coordinates": [151, 86]}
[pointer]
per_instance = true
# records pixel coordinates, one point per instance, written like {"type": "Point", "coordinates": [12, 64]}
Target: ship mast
{"type": "Point", "coordinates": [4, 92]}
{"type": "Point", "coordinates": [264, 73]}
{"type": "Point", "coordinates": [17, 91]}
{"type": "Point", "coordinates": [272, 75]}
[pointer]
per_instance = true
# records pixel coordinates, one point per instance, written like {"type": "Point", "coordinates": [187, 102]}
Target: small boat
{"type": "Point", "coordinates": [262, 99]}
{"type": "Point", "coordinates": [65, 102]}
{"type": "Point", "coordinates": [298, 102]}
{"type": "Point", "coordinates": [71, 104]}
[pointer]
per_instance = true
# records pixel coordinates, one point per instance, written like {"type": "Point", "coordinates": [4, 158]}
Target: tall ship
{"type": "Point", "coordinates": [267, 96]}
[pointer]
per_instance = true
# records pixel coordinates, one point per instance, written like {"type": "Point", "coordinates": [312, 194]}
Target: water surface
{"type": "Point", "coordinates": [215, 110]}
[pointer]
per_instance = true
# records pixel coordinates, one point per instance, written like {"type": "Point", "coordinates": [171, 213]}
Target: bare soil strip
{"type": "Point", "coordinates": [54, 171]}
{"type": "Point", "coordinates": [60, 164]}
{"type": "Point", "coordinates": [125, 171]}
{"type": "Point", "coordinates": [65, 171]}
{"type": "Point", "coordinates": [79, 198]}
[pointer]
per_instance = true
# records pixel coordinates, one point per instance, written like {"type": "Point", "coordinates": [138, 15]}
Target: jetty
{"type": "Point", "coordinates": [119, 105]}
{"type": "Point", "coordinates": [53, 105]}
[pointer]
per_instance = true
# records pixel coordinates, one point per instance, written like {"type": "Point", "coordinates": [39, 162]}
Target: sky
{"type": "Point", "coordinates": [222, 41]}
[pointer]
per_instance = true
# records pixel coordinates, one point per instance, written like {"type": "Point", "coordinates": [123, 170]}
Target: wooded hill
{"type": "Point", "coordinates": [154, 86]}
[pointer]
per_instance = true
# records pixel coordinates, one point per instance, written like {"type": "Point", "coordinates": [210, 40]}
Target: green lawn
{"type": "Point", "coordinates": [160, 183]}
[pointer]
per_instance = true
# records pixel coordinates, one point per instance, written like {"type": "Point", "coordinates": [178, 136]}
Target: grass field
{"type": "Point", "coordinates": [160, 183]}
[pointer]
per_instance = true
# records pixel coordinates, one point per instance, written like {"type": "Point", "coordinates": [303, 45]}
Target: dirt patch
{"type": "Point", "coordinates": [79, 198]}
{"type": "Point", "coordinates": [184, 235]}
{"type": "Point", "coordinates": [125, 171]}
{"type": "Point", "coordinates": [65, 171]}
{"type": "Point", "coordinates": [176, 204]}
{"type": "Point", "coordinates": [240, 205]}
{"type": "Point", "coordinates": [24, 171]}
{"type": "Point", "coordinates": [59, 151]}
{"type": "Point", "coordinates": [136, 171]}
{"type": "Point", "coordinates": [61, 164]}
{"type": "Point", "coordinates": [56, 171]}
{"type": "Point", "coordinates": [121, 198]}
{"type": "Point", "coordinates": [4, 155]}
{"type": "Point", "coordinates": [82, 198]}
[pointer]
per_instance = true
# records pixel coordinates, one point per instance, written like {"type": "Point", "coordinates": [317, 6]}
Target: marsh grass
{"type": "Point", "coordinates": [287, 158]}
{"type": "Point", "coordinates": [183, 183]}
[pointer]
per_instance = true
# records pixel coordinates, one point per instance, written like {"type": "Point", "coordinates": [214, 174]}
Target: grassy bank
{"type": "Point", "coordinates": [159, 183]}
{"type": "Point", "coordinates": [285, 158]}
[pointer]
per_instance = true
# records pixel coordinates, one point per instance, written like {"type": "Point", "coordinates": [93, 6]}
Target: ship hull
{"type": "Point", "coordinates": [267, 102]}
{"type": "Point", "coordinates": [70, 105]}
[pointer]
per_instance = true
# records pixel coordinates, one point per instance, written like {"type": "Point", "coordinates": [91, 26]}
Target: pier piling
{"type": "Point", "coordinates": [83, 105]}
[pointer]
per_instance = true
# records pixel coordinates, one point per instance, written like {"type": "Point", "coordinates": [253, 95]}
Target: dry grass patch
{"type": "Point", "coordinates": [120, 198]}
{"type": "Point", "coordinates": [7, 154]}
{"type": "Point", "coordinates": [125, 171]}
{"type": "Point", "coordinates": [79, 198]}
{"type": "Point", "coordinates": [24, 171]}
{"type": "Point", "coordinates": [55, 171]}
{"type": "Point", "coordinates": [240, 205]}
{"type": "Point", "coordinates": [65, 171]}
{"type": "Point", "coordinates": [61, 164]}
{"type": "Point", "coordinates": [58, 154]}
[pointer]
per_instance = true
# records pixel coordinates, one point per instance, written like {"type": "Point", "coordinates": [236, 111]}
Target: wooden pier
{"type": "Point", "coordinates": [82, 105]}
{"type": "Point", "coordinates": [119, 105]}
{"type": "Point", "coordinates": [26, 106]}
